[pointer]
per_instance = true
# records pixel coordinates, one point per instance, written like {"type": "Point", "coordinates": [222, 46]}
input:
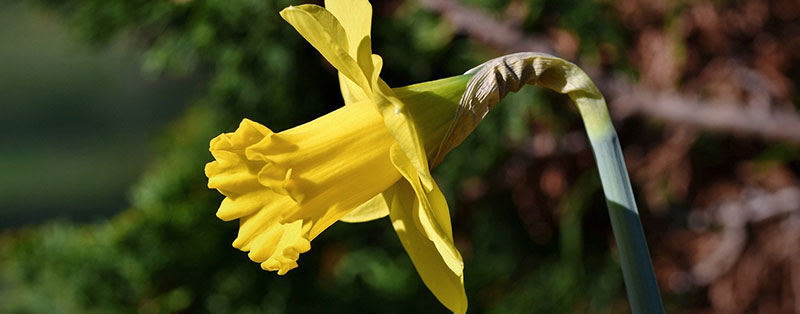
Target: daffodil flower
{"type": "Point", "coordinates": [364, 161]}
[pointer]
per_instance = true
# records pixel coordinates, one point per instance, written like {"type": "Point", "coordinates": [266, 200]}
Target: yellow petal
{"type": "Point", "coordinates": [355, 16]}
{"type": "Point", "coordinates": [373, 209]}
{"type": "Point", "coordinates": [323, 31]}
{"type": "Point", "coordinates": [431, 214]}
{"type": "Point", "coordinates": [400, 124]}
{"type": "Point", "coordinates": [351, 92]}
{"type": "Point", "coordinates": [447, 286]}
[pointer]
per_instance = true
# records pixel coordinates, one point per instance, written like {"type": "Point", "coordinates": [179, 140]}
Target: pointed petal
{"type": "Point", "coordinates": [431, 214]}
{"type": "Point", "coordinates": [356, 18]}
{"type": "Point", "coordinates": [323, 31]}
{"type": "Point", "coordinates": [446, 285]}
{"type": "Point", "coordinates": [373, 209]}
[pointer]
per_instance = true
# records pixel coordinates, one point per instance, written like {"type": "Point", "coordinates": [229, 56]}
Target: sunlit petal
{"type": "Point", "coordinates": [447, 286]}
{"type": "Point", "coordinates": [323, 31]}
{"type": "Point", "coordinates": [373, 209]}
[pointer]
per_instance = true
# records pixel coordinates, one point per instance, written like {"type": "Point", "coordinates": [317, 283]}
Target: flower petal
{"type": "Point", "coordinates": [355, 16]}
{"type": "Point", "coordinates": [351, 92]}
{"type": "Point", "coordinates": [373, 209]}
{"type": "Point", "coordinates": [446, 285]}
{"type": "Point", "coordinates": [431, 214]}
{"type": "Point", "coordinates": [401, 125]}
{"type": "Point", "coordinates": [323, 31]}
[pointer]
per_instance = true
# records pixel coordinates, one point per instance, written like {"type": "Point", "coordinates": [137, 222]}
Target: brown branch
{"type": "Point", "coordinates": [672, 107]}
{"type": "Point", "coordinates": [668, 106]}
{"type": "Point", "coordinates": [733, 216]}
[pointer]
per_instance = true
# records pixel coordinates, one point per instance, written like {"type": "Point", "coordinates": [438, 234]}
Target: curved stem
{"type": "Point", "coordinates": [497, 77]}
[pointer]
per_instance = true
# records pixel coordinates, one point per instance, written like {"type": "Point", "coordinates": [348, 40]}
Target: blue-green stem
{"type": "Point", "coordinates": [637, 268]}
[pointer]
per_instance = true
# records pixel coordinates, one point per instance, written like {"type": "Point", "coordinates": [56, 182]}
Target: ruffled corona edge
{"type": "Point", "coordinates": [260, 193]}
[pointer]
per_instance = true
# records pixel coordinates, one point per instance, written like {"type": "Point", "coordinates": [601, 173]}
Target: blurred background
{"type": "Point", "coordinates": [107, 108]}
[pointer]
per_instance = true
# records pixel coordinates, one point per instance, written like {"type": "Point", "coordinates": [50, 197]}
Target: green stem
{"type": "Point", "coordinates": [637, 269]}
{"type": "Point", "coordinates": [495, 78]}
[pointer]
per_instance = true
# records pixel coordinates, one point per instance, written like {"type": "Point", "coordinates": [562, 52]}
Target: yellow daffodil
{"type": "Point", "coordinates": [364, 161]}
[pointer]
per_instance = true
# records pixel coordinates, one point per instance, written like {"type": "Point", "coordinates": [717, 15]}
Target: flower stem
{"type": "Point", "coordinates": [497, 77]}
{"type": "Point", "coordinates": [637, 269]}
